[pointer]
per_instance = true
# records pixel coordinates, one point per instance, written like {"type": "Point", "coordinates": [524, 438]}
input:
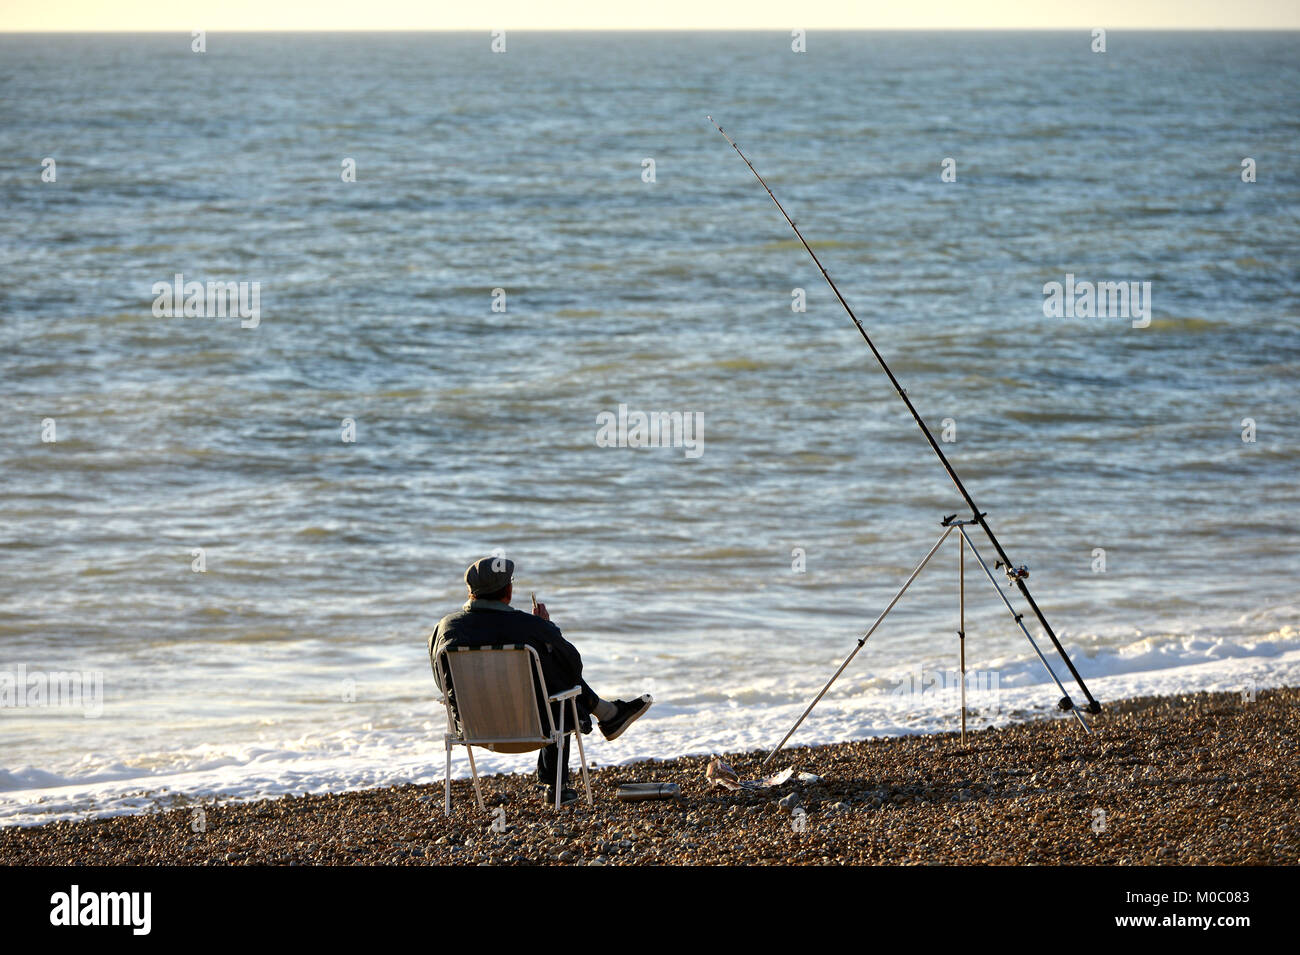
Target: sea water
{"type": "Point", "coordinates": [239, 533]}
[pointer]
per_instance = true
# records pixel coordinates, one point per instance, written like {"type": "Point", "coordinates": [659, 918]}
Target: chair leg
{"type": "Point", "coordinates": [446, 786]}
{"type": "Point", "coordinates": [582, 754]}
{"type": "Point", "coordinates": [559, 762]}
{"type": "Point", "coordinates": [473, 771]}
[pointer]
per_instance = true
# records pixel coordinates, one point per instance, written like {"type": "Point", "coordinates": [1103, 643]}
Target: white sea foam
{"type": "Point", "coordinates": [404, 744]}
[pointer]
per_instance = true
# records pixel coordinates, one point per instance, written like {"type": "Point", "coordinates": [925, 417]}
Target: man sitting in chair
{"type": "Point", "coordinates": [487, 619]}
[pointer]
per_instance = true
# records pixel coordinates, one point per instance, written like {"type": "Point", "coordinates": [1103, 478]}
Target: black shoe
{"type": "Point", "coordinates": [629, 711]}
{"type": "Point", "coordinates": [567, 796]}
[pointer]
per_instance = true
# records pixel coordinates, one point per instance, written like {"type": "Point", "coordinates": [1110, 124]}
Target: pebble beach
{"type": "Point", "coordinates": [1186, 780]}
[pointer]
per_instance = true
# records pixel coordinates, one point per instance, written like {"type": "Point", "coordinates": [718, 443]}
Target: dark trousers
{"type": "Point", "coordinates": [547, 756]}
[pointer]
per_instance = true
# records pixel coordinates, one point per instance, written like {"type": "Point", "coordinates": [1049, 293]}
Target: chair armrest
{"type": "Point", "coordinates": [566, 695]}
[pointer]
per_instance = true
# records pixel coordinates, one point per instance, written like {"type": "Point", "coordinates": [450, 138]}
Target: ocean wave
{"type": "Point", "coordinates": [406, 746]}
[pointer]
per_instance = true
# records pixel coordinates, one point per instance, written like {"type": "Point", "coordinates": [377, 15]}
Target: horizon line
{"type": "Point", "coordinates": [781, 30]}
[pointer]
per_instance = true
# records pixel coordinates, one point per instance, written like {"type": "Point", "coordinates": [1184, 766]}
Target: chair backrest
{"type": "Point", "coordinates": [495, 696]}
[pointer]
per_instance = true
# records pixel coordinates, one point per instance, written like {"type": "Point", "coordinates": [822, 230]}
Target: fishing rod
{"type": "Point", "coordinates": [1015, 574]}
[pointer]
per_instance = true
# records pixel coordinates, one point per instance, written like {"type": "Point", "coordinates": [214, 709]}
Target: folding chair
{"type": "Point", "coordinates": [498, 706]}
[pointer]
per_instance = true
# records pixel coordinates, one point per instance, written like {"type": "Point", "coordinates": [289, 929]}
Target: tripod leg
{"type": "Point", "coordinates": [961, 628]}
{"type": "Point", "coordinates": [1023, 629]}
{"type": "Point", "coordinates": [847, 660]}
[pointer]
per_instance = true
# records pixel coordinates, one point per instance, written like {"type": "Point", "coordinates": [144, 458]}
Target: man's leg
{"type": "Point", "coordinates": [590, 704]}
{"type": "Point", "coordinates": [615, 716]}
{"type": "Point", "coordinates": [546, 763]}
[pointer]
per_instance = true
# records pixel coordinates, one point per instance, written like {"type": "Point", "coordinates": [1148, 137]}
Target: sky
{"type": "Point", "coordinates": [306, 15]}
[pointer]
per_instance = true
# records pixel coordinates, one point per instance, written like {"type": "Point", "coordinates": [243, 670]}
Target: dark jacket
{"type": "Point", "coordinates": [485, 623]}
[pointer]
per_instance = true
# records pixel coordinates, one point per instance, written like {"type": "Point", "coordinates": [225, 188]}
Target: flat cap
{"type": "Point", "coordinates": [489, 574]}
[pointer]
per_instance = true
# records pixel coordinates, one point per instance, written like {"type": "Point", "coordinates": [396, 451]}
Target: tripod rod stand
{"type": "Point", "coordinates": [1013, 574]}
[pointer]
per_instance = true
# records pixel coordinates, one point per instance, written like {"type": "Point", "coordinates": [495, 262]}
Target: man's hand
{"type": "Point", "coordinates": [540, 610]}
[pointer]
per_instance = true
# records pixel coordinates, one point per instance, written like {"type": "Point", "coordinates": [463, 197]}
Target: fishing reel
{"type": "Point", "coordinates": [1013, 573]}
{"type": "Point", "coordinates": [1067, 704]}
